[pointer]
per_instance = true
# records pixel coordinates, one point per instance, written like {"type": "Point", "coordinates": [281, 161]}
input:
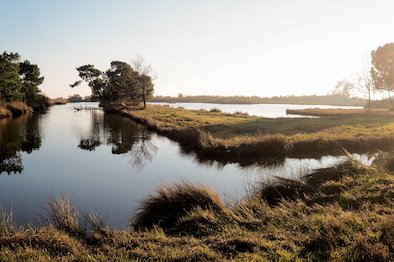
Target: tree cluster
{"type": "Point", "coordinates": [19, 80]}
{"type": "Point", "coordinates": [122, 82]}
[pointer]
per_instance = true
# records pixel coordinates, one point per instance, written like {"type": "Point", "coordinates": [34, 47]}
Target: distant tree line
{"type": "Point", "coordinates": [123, 83]}
{"type": "Point", "coordinates": [19, 81]}
{"type": "Point", "coordinates": [331, 99]}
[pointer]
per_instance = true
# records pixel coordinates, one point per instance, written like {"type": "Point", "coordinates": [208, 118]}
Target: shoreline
{"type": "Point", "coordinates": [247, 149]}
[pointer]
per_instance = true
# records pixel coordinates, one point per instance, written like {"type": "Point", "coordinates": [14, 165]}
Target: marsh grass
{"type": "Point", "coordinates": [236, 138]}
{"type": "Point", "coordinates": [64, 215]}
{"type": "Point", "coordinates": [7, 223]}
{"type": "Point", "coordinates": [18, 108]}
{"type": "Point", "coordinates": [341, 213]}
{"type": "Point", "coordinates": [170, 203]}
{"type": "Point", "coordinates": [186, 222]}
{"type": "Point", "coordinates": [4, 112]}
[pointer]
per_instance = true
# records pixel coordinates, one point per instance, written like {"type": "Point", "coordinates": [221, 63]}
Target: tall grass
{"type": "Point", "coordinates": [64, 215]}
{"type": "Point", "coordinates": [18, 108]}
{"type": "Point", "coordinates": [188, 222]}
{"type": "Point", "coordinates": [4, 112]}
{"type": "Point", "coordinates": [170, 203]}
{"type": "Point", "coordinates": [7, 223]}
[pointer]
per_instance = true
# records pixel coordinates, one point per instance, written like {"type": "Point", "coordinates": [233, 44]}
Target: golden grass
{"type": "Point", "coordinates": [172, 202]}
{"type": "Point", "coordinates": [355, 223]}
{"type": "Point", "coordinates": [18, 108]}
{"type": "Point", "coordinates": [4, 113]}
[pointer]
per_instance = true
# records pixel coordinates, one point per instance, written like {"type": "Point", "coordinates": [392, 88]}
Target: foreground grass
{"type": "Point", "coordinates": [246, 139]}
{"type": "Point", "coordinates": [348, 216]}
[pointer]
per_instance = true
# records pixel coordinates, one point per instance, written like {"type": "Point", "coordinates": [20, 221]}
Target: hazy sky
{"type": "Point", "coordinates": [215, 47]}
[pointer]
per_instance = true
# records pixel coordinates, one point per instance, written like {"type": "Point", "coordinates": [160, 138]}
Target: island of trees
{"type": "Point", "coordinates": [123, 84]}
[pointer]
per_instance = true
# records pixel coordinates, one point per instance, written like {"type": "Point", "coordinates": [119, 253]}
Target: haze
{"type": "Point", "coordinates": [263, 48]}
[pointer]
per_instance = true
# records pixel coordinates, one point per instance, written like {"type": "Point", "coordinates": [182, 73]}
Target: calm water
{"type": "Point", "coordinates": [107, 163]}
{"type": "Point", "coordinates": [265, 110]}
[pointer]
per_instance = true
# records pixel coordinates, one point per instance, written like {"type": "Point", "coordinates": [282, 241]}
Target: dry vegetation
{"type": "Point", "coordinates": [338, 112]}
{"type": "Point", "coordinates": [348, 216]}
{"type": "Point", "coordinates": [15, 108]}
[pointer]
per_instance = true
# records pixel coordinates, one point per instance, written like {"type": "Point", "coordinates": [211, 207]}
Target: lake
{"type": "Point", "coordinates": [265, 110]}
{"type": "Point", "coordinates": [108, 164]}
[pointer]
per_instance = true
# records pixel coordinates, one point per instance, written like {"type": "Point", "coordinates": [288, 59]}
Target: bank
{"type": "Point", "coordinates": [240, 138]}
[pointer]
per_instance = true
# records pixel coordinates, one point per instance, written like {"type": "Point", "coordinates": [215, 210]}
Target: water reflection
{"type": "Point", "coordinates": [123, 135]}
{"type": "Point", "coordinates": [18, 135]}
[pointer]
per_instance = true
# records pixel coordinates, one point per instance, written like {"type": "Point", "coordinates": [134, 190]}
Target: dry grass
{"type": "Point", "coordinates": [18, 108]}
{"type": "Point", "coordinates": [354, 223]}
{"type": "Point", "coordinates": [4, 112]}
{"type": "Point", "coordinates": [7, 224]}
{"type": "Point", "coordinates": [58, 101]}
{"type": "Point", "coordinates": [170, 203]}
{"type": "Point", "coordinates": [64, 215]}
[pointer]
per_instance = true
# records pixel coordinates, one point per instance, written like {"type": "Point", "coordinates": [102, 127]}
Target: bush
{"type": "Point", "coordinates": [215, 110]}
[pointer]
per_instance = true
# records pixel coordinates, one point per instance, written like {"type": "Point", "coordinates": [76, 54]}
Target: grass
{"type": "Point", "coordinates": [18, 108]}
{"type": "Point", "coordinates": [14, 108]}
{"type": "Point", "coordinates": [336, 112]}
{"type": "Point", "coordinates": [4, 113]}
{"type": "Point", "coordinates": [247, 139]}
{"type": "Point", "coordinates": [172, 202]}
{"type": "Point", "coordinates": [349, 217]}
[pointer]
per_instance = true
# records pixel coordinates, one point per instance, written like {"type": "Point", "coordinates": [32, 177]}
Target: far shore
{"type": "Point", "coordinates": [244, 139]}
{"type": "Point", "coordinates": [334, 100]}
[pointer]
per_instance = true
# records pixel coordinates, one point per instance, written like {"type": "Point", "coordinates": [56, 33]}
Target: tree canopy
{"type": "Point", "coordinates": [19, 81]}
{"type": "Point", "coordinates": [121, 82]}
{"type": "Point", "coordinates": [382, 70]}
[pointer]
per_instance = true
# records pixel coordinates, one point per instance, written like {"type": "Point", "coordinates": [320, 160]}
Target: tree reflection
{"type": "Point", "coordinates": [18, 135]}
{"type": "Point", "coordinates": [125, 137]}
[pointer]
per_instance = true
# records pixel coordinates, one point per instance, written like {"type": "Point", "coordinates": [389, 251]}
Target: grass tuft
{"type": "Point", "coordinates": [64, 215]}
{"type": "Point", "coordinates": [7, 223]}
{"type": "Point", "coordinates": [170, 203]}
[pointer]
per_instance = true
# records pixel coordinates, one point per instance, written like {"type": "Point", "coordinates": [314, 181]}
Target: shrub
{"type": "Point", "coordinates": [215, 110]}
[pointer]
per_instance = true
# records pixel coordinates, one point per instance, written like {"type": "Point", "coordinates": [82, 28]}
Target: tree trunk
{"type": "Point", "coordinates": [369, 101]}
{"type": "Point", "coordinates": [144, 97]}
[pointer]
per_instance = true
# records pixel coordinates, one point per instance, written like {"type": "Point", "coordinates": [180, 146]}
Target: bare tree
{"type": "Point", "coordinates": [146, 74]}
{"type": "Point", "coordinates": [366, 83]}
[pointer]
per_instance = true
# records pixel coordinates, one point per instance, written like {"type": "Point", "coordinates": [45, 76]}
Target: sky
{"type": "Point", "coordinates": [211, 47]}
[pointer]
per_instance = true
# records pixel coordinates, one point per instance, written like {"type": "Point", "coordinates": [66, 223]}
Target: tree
{"type": "Point", "coordinates": [95, 78]}
{"type": "Point", "coordinates": [31, 79]}
{"type": "Point", "coordinates": [366, 83]}
{"type": "Point", "coordinates": [344, 88]}
{"type": "Point", "coordinates": [20, 81]}
{"type": "Point", "coordinates": [146, 76]}
{"type": "Point", "coordinates": [10, 82]}
{"type": "Point", "coordinates": [382, 70]}
{"type": "Point", "coordinates": [122, 83]}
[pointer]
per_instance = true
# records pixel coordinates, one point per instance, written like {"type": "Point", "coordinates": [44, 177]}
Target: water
{"type": "Point", "coordinates": [107, 163]}
{"type": "Point", "coordinates": [265, 110]}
